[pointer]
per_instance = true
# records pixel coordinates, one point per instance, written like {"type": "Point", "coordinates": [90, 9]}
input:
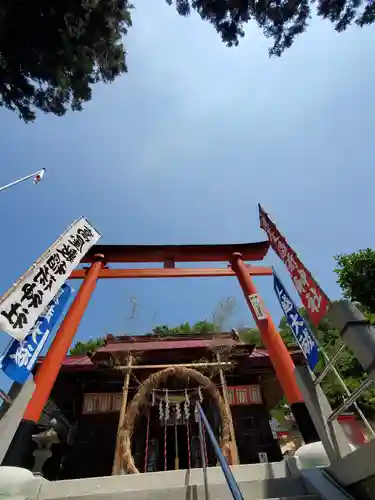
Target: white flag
{"type": "Point", "coordinates": [39, 176]}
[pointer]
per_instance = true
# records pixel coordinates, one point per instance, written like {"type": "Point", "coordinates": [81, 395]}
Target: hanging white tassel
{"type": "Point", "coordinates": [186, 406]}
{"type": "Point", "coordinates": [166, 405]}
{"type": "Point", "coordinates": [200, 396]}
{"type": "Point", "coordinates": [178, 412]}
{"type": "Point", "coordinates": [153, 397]}
{"type": "Point", "coordinates": [161, 412]}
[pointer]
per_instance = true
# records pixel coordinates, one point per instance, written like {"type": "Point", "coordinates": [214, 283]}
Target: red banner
{"type": "Point", "coordinates": [313, 298]}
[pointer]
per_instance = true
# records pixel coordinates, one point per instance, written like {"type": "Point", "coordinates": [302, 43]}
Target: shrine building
{"type": "Point", "coordinates": [130, 407]}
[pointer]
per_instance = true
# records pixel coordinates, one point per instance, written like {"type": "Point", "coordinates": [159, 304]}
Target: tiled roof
{"type": "Point", "coordinates": [162, 345]}
{"type": "Point", "coordinates": [77, 362]}
{"type": "Point", "coordinates": [84, 363]}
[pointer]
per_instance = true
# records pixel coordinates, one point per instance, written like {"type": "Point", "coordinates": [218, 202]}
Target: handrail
{"type": "Point", "coordinates": [348, 402]}
{"type": "Point", "coordinates": [233, 486]}
{"type": "Point", "coordinates": [352, 397]}
{"type": "Point", "coordinates": [203, 455]}
{"type": "Point", "coordinates": [330, 365]}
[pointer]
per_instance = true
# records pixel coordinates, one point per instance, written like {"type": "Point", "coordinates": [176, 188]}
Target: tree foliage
{"type": "Point", "coordinates": [280, 20]}
{"type": "Point", "coordinates": [52, 52]}
{"type": "Point", "coordinates": [356, 277]}
{"type": "Point", "coordinates": [198, 328]}
{"type": "Point", "coordinates": [84, 348]}
{"type": "Point", "coordinates": [250, 336]}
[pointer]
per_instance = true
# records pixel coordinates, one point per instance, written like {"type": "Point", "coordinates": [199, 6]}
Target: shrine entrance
{"type": "Point", "coordinates": [100, 258]}
{"type": "Point", "coordinates": [159, 445]}
{"type": "Point", "coordinates": [161, 432]}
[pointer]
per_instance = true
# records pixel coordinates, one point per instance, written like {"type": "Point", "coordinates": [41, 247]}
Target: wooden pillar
{"type": "Point", "coordinates": [280, 356]}
{"type": "Point", "coordinates": [234, 460]}
{"type": "Point", "coordinates": [50, 367]}
{"type": "Point", "coordinates": [116, 469]}
{"type": "Point", "coordinates": [46, 375]}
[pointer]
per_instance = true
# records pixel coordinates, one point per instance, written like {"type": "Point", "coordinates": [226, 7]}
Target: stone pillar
{"type": "Point", "coordinates": [43, 452]}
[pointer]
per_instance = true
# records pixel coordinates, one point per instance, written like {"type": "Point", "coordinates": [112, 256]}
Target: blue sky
{"type": "Point", "coordinates": [181, 150]}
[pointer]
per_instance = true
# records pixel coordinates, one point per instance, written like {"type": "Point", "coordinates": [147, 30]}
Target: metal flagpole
{"type": "Point", "coordinates": [22, 179]}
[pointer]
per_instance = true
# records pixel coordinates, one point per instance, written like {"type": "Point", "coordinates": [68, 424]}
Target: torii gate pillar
{"type": "Point", "coordinates": [279, 354]}
{"type": "Point", "coordinates": [49, 370]}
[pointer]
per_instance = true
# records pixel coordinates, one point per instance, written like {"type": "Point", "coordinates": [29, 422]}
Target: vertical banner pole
{"type": "Point", "coordinates": [116, 469]}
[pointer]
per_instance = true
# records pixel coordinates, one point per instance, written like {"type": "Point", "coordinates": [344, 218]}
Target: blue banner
{"type": "Point", "coordinates": [297, 324]}
{"type": "Point", "coordinates": [20, 357]}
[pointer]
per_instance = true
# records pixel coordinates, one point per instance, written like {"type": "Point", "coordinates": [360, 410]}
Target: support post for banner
{"type": "Point", "coordinates": [279, 354]}
{"type": "Point", "coordinates": [49, 370]}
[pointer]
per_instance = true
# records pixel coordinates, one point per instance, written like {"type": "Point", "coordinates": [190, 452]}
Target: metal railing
{"type": "Point", "coordinates": [232, 483]}
{"type": "Point", "coordinates": [351, 397]}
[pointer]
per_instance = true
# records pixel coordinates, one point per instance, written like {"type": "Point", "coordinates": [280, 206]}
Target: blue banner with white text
{"type": "Point", "coordinates": [20, 358]}
{"type": "Point", "coordinates": [297, 324]}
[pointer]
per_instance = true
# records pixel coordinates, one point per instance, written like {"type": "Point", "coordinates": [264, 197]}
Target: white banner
{"type": "Point", "coordinates": [30, 295]}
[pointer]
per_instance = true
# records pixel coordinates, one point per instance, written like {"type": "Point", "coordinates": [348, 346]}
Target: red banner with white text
{"type": "Point", "coordinates": [313, 298]}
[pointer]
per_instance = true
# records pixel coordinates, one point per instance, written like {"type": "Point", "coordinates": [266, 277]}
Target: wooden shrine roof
{"type": "Point", "coordinates": [84, 363]}
{"type": "Point", "coordinates": [169, 346]}
{"type": "Point", "coordinates": [183, 347]}
{"type": "Point", "coordinates": [178, 253]}
{"type": "Point", "coordinates": [159, 345]}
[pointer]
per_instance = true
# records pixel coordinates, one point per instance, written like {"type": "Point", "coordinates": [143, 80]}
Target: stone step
{"type": "Point", "coordinates": [171, 479]}
{"type": "Point", "coordinates": [189, 494]}
{"type": "Point", "coordinates": [115, 488]}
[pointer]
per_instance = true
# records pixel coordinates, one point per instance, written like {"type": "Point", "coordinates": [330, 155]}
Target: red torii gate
{"type": "Point", "coordinates": [236, 254]}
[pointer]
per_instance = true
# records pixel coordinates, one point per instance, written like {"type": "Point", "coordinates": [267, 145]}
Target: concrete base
{"type": "Point", "coordinates": [281, 480]}
{"type": "Point", "coordinates": [13, 480]}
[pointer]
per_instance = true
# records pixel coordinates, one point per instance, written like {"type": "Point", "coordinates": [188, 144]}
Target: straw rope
{"type": "Point", "coordinates": [154, 381]}
{"type": "Point", "coordinates": [147, 438]}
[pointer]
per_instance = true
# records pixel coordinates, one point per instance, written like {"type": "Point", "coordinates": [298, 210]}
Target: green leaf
{"type": "Point", "coordinates": [356, 277]}
{"type": "Point", "coordinates": [51, 53]}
